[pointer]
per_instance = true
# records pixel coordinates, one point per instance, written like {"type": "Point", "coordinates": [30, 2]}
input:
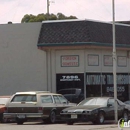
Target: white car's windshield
{"type": "Point", "coordinates": [94, 101]}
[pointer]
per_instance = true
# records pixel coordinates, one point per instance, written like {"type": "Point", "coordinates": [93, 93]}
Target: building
{"type": "Point", "coordinates": [67, 54]}
{"type": "Point", "coordinates": [79, 55]}
{"type": "Point", "coordinates": [22, 65]}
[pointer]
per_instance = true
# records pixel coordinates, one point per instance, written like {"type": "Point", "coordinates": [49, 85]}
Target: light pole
{"type": "Point", "coordinates": [48, 4]}
{"type": "Point", "coordinates": [114, 64]}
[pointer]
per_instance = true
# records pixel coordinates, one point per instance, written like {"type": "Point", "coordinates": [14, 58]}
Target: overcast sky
{"type": "Point", "coordinates": [101, 10]}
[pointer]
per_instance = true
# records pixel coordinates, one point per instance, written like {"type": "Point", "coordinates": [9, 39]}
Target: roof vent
{"type": "Point", "coordinates": [9, 22]}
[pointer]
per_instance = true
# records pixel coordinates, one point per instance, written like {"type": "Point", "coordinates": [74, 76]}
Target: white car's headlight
{"type": "Point", "coordinates": [87, 112]}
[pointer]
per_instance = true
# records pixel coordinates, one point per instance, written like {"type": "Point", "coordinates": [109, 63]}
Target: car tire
{"type": "Point", "coordinates": [125, 115]}
{"type": "Point", "coordinates": [70, 122]}
{"type": "Point", "coordinates": [19, 121]}
{"type": "Point", "coordinates": [1, 118]}
{"type": "Point", "coordinates": [100, 118]}
{"type": "Point", "coordinates": [51, 119]}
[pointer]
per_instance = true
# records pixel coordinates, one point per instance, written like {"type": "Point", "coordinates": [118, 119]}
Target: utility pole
{"type": "Point", "coordinates": [114, 64]}
{"type": "Point", "coordinates": [48, 4]}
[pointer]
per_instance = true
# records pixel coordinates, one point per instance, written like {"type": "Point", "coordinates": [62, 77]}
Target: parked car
{"type": "Point", "coordinates": [127, 102]}
{"type": "Point", "coordinates": [95, 109]}
{"type": "Point", "coordinates": [72, 94]}
{"type": "Point", "coordinates": [3, 101]}
{"type": "Point", "coordinates": [35, 105]}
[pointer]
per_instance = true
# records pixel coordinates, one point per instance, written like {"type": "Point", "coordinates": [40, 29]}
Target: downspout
{"type": "Point", "coordinates": [47, 68]}
{"type": "Point", "coordinates": [84, 75]}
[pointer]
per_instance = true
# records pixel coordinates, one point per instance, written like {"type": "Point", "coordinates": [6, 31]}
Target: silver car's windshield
{"type": "Point", "coordinates": [94, 101]}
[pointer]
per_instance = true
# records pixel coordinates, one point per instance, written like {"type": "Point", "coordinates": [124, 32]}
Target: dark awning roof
{"type": "Point", "coordinates": [82, 32]}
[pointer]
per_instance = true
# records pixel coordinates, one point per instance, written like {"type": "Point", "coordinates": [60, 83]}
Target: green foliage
{"type": "Point", "coordinates": [42, 17]}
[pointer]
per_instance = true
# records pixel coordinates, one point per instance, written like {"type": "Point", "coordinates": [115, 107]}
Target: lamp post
{"type": "Point", "coordinates": [114, 64]}
{"type": "Point", "coordinates": [48, 4]}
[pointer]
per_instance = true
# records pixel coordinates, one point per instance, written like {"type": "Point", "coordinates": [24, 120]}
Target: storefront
{"type": "Point", "coordinates": [71, 86]}
{"type": "Point", "coordinates": [97, 84]}
{"type": "Point", "coordinates": [101, 84]}
{"type": "Point", "coordinates": [79, 58]}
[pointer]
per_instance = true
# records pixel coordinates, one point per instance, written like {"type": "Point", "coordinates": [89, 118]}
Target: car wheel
{"type": "Point", "coordinates": [125, 116]}
{"type": "Point", "coordinates": [19, 121]}
{"type": "Point", "coordinates": [70, 122]}
{"type": "Point", "coordinates": [52, 118]}
{"type": "Point", "coordinates": [101, 118]}
{"type": "Point", "coordinates": [1, 118]}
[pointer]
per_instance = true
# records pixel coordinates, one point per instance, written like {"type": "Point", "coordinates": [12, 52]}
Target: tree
{"type": "Point", "coordinates": [42, 17]}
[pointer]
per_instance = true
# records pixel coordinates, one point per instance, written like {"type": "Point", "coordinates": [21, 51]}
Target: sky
{"type": "Point", "coordinates": [98, 10]}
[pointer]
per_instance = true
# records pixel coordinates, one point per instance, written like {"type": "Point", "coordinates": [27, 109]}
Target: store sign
{"type": "Point", "coordinates": [122, 61]}
{"type": "Point", "coordinates": [108, 61]}
{"type": "Point", "coordinates": [119, 89]}
{"type": "Point", "coordinates": [97, 79]}
{"type": "Point", "coordinates": [70, 78]}
{"type": "Point", "coordinates": [93, 60]}
{"type": "Point", "coordinates": [70, 61]}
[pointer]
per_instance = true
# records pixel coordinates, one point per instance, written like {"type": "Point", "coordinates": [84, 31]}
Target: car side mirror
{"type": "Point", "coordinates": [109, 105]}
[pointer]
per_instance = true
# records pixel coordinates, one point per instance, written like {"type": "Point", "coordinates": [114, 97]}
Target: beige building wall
{"type": "Point", "coordinates": [107, 68]}
{"type": "Point", "coordinates": [22, 64]}
{"type": "Point", "coordinates": [84, 65]}
{"type": "Point", "coordinates": [79, 69]}
{"type": "Point", "coordinates": [54, 63]}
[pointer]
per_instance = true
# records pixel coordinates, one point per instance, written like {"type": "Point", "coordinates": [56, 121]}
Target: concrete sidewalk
{"type": "Point", "coordinates": [90, 126]}
{"type": "Point", "coordinates": [59, 126]}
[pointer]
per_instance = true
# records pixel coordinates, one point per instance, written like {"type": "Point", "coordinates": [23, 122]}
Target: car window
{"type": "Point", "coordinates": [67, 91]}
{"type": "Point", "coordinates": [46, 99]}
{"type": "Point", "coordinates": [120, 102]}
{"type": "Point", "coordinates": [127, 102]}
{"type": "Point", "coordinates": [94, 101]}
{"type": "Point", "coordinates": [24, 98]}
{"type": "Point", "coordinates": [62, 99]}
{"type": "Point", "coordinates": [101, 101]}
{"type": "Point", "coordinates": [88, 102]}
{"type": "Point", "coordinates": [56, 99]}
{"type": "Point", "coordinates": [111, 101]}
{"type": "Point", "coordinates": [3, 101]}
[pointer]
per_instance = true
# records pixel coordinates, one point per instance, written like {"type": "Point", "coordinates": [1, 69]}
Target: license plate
{"type": "Point", "coordinates": [21, 116]}
{"type": "Point", "coordinates": [73, 116]}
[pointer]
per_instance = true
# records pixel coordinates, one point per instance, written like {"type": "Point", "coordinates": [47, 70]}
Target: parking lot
{"type": "Point", "coordinates": [59, 126]}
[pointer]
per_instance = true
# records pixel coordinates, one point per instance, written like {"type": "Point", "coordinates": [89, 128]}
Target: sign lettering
{"type": "Point", "coordinates": [70, 61]}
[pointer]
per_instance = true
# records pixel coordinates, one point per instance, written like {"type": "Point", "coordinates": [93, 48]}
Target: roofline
{"type": "Point", "coordinates": [65, 20]}
{"type": "Point", "coordinates": [81, 43]}
{"type": "Point", "coordinates": [72, 20]}
{"type": "Point", "coordinates": [32, 92]}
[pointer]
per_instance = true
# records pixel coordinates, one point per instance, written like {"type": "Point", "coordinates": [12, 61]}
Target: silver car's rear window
{"type": "Point", "coordinates": [24, 98]}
